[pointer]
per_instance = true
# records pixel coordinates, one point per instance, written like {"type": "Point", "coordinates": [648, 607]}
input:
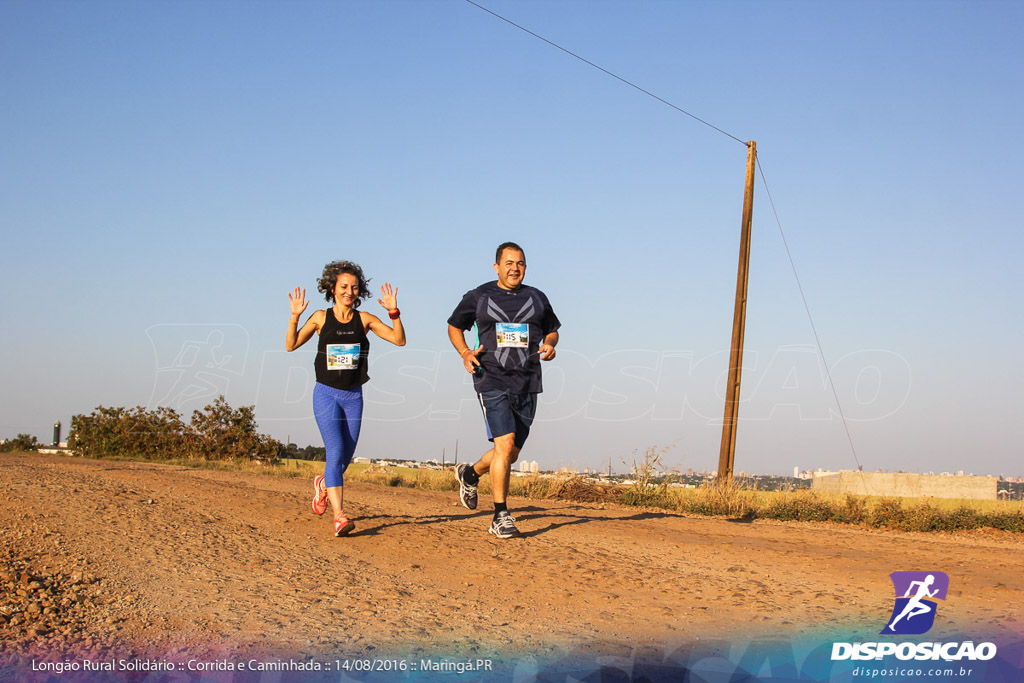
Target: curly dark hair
{"type": "Point", "coordinates": [329, 280]}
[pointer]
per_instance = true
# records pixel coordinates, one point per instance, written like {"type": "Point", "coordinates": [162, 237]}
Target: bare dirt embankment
{"type": "Point", "coordinates": [110, 558]}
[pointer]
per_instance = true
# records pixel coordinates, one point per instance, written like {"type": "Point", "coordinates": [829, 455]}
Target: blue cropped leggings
{"type": "Point", "coordinates": [338, 413]}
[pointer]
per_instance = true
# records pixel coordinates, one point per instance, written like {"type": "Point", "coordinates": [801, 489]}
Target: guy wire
{"type": "Point", "coordinates": [810, 318]}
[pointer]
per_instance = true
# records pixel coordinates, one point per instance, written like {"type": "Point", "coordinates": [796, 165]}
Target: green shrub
{"type": "Point", "coordinates": [922, 517]}
{"type": "Point", "coordinates": [218, 432]}
{"type": "Point", "coordinates": [853, 511]}
{"type": "Point", "coordinates": [964, 517]}
{"type": "Point", "coordinates": [1005, 521]}
{"type": "Point", "coordinates": [121, 432]}
{"type": "Point", "coordinates": [19, 444]}
{"type": "Point", "coordinates": [887, 512]}
{"type": "Point", "coordinates": [800, 507]}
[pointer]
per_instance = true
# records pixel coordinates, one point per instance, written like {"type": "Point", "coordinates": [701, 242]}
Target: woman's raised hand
{"type": "Point", "coordinates": [298, 301]}
{"type": "Point", "coordinates": [388, 297]}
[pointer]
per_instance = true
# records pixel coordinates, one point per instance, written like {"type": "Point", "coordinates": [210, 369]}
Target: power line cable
{"type": "Point", "coordinates": [606, 71]}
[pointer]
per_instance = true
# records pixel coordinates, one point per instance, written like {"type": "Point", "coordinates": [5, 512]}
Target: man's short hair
{"type": "Point", "coordinates": [507, 245]}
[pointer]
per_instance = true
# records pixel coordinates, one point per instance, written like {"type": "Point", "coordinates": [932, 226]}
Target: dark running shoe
{"type": "Point", "coordinates": [504, 526]}
{"type": "Point", "coordinates": [467, 492]}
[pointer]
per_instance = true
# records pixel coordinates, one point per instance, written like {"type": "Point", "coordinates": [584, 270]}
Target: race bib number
{"type": "Point", "coordinates": [513, 335]}
{"type": "Point", "coordinates": [342, 356]}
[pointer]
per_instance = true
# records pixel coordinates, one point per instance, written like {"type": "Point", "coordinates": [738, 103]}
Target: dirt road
{"type": "Point", "coordinates": [128, 559]}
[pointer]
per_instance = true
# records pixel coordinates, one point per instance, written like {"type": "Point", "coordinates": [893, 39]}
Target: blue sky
{"type": "Point", "coordinates": [170, 170]}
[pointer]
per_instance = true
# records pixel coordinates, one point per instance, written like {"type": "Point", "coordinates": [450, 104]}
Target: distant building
{"type": "Point", "coordinates": [905, 484]}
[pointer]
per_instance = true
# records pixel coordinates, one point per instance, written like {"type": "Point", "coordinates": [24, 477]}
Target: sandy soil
{"type": "Point", "coordinates": [110, 559]}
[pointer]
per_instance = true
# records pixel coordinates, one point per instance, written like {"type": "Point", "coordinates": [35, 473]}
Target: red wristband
{"type": "Point", "coordinates": [394, 314]}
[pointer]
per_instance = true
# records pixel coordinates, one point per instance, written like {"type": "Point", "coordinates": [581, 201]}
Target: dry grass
{"type": "Point", "coordinates": [887, 513]}
{"type": "Point", "coordinates": [651, 489]}
{"type": "Point", "coordinates": [569, 487]}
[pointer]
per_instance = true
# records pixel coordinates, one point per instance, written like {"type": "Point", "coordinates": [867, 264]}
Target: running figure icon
{"type": "Point", "coordinates": [916, 606]}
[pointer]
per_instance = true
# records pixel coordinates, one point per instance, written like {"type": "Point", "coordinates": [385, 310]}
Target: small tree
{"type": "Point", "coordinates": [316, 453]}
{"type": "Point", "coordinates": [223, 432]}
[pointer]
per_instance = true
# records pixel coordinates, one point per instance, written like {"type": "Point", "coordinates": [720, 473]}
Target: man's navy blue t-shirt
{"type": "Point", "coordinates": [512, 325]}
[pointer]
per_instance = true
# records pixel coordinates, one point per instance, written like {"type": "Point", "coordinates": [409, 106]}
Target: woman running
{"type": "Point", "coordinates": [340, 370]}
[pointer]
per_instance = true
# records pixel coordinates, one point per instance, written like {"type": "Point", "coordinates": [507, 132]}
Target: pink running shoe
{"type": "Point", "coordinates": [343, 525]}
{"type": "Point", "coordinates": [319, 496]}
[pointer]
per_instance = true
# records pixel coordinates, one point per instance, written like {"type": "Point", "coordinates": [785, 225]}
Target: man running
{"type": "Point", "coordinates": [517, 329]}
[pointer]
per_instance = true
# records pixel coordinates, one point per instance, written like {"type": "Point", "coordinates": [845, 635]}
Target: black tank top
{"type": "Point", "coordinates": [342, 352]}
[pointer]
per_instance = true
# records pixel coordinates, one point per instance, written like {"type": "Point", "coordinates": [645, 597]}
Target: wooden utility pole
{"type": "Point", "coordinates": [732, 390]}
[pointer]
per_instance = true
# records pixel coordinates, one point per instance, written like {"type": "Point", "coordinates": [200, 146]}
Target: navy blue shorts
{"type": "Point", "coordinates": [506, 413]}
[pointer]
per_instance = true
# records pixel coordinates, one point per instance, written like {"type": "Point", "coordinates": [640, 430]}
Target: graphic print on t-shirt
{"type": "Point", "coordinates": [513, 325]}
{"type": "Point", "coordinates": [342, 356]}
